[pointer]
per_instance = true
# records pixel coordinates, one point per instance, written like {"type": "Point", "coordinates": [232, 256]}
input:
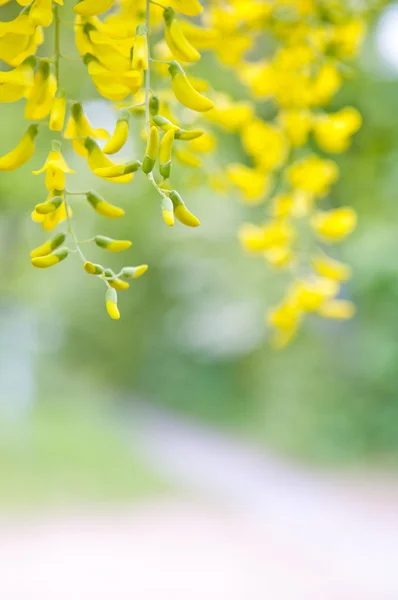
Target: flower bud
{"type": "Point", "coordinates": [47, 207]}
{"type": "Point", "coordinates": [151, 150]}
{"type": "Point", "coordinates": [167, 209]}
{"type": "Point", "coordinates": [154, 105]}
{"type": "Point", "coordinates": [118, 284]}
{"type": "Point", "coordinates": [49, 246]}
{"type": "Point", "coordinates": [104, 208]}
{"type": "Point", "coordinates": [111, 304]}
{"type": "Point", "coordinates": [93, 269]}
{"type": "Point", "coordinates": [133, 272]}
{"type": "Point", "coordinates": [164, 123]}
{"type": "Point", "coordinates": [165, 154]}
{"type": "Point", "coordinates": [109, 274]}
{"type": "Point", "coordinates": [110, 244]}
{"type": "Point", "coordinates": [42, 262]}
{"type": "Point", "coordinates": [184, 134]}
{"type": "Point", "coordinates": [185, 92]}
{"type": "Point", "coordinates": [120, 135]}
{"type": "Point", "coordinates": [118, 170]}
{"type": "Point", "coordinates": [181, 212]}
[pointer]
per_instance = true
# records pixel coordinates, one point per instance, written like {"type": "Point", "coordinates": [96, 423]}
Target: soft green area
{"type": "Point", "coordinates": [68, 456]}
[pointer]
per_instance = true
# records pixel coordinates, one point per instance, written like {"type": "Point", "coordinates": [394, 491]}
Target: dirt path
{"type": "Point", "coordinates": [255, 529]}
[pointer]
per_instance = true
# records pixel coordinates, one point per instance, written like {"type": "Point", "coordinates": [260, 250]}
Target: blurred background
{"type": "Point", "coordinates": [173, 454]}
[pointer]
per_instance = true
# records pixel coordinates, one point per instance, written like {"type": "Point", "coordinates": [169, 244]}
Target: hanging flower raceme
{"type": "Point", "coordinates": [141, 56]}
{"type": "Point", "coordinates": [300, 78]}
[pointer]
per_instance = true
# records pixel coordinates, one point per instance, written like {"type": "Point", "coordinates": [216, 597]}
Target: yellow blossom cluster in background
{"type": "Point", "coordinates": [138, 54]}
{"type": "Point", "coordinates": [288, 165]}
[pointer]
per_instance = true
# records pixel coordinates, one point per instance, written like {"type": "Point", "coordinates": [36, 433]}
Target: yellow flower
{"type": "Point", "coordinates": [331, 268]}
{"type": "Point", "coordinates": [312, 292]}
{"type": "Point", "coordinates": [260, 77]}
{"type": "Point", "coordinates": [118, 284]}
{"type": "Point", "coordinates": [181, 212]}
{"type": "Point", "coordinates": [284, 320]}
{"type": "Point", "coordinates": [202, 39]}
{"type": "Point", "coordinates": [41, 12]}
{"type": "Point", "coordinates": [265, 143]}
{"type": "Point", "coordinates": [271, 235]}
{"type": "Point", "coordinates": [204, 143]}
{"type": "Point", "coordinates": [55, 168]}
{"type": "Point", "coordinates": [185, 92]}
{"type": "Point", "coordinates": [22, 152]}
{"type": "Point", "coordinates": [89, 8]}
{"type": "Point", "coordinates": [120, 134]}
{"type": "Point", "coordinates": [140, 50]}
{"type": "Point", "coordinates": [231, 49]}
{"type": "Point", "coordinates": [179, 46]}
{"type": "Point", "coordinates": [346, 38]}
{"type": "Point", "coordinates": [337, 309]}
{"type": "Point", "coordinates": [325, 85]}
{"type": "Point", "coordinates": [187, 158]}
{"type": "Point", "coordinates": [332, 132]}
{"type": "Point", "coordinates": [228, 115]}
{"type": "Point", "coordinates": [296, 124]}
{"type": "Point", "coordinates": [82, 40]}
{"type": "Point", "coordinates": [279, 257]}
{"type": "Point", "coordinates": [313, 174]}
{"type": "Point", "coordinates": [51, 219]}
{"type": "Point", "coordinates": [16, 83]}
{"type": "Point", "coordinates": [79, 127]}
{"type": "Point", "coordinates": [191, 8]}
{"type": "Point", "coordinates": [252, 183]}
{"type": "Point", "coordinates": [40, 97]}
{"type": "Point", "coordinates": [58, 110]}
{"type": "Point", "coordinates": [92, 268]}
{"type": "Point", "coordinates": [43, 262]}
{"type": "Point", "coordinates": [282, 205]}
{"type": "Point", "coordinates": [21, 25]}
{"type": "Point", "coordinates": [113, 86]}
{"type": "Point", "coordinates": [19, 39]}
{"type": "Point", "coordinates": [114, 55]}
{"type": "Point", "coordinates": [334, 225]}
{"type": "Point", "coordinates": [49, 246]}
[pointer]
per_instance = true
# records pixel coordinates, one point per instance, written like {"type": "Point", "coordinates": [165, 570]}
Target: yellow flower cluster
{"type": "Point", "coordinates": [286, 168]}
{"type": "Point", "coordinates": [114, 43]}
{"type": "Point", "coordinates": [131, 47]}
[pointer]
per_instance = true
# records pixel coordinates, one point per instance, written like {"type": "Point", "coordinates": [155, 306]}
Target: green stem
{"type": "Point", "coordinates": [163, 62]}
{"type": "Point", "coordinates": [163, 193]}
{"type": "Point", "coordinates": [56, 43]}
{"type": "Point", "coordinates": [72, 233]}
{"type": "Point", "coordinates": [158, 4]}
{"type": "Point", "coordinates": [148, 71]}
